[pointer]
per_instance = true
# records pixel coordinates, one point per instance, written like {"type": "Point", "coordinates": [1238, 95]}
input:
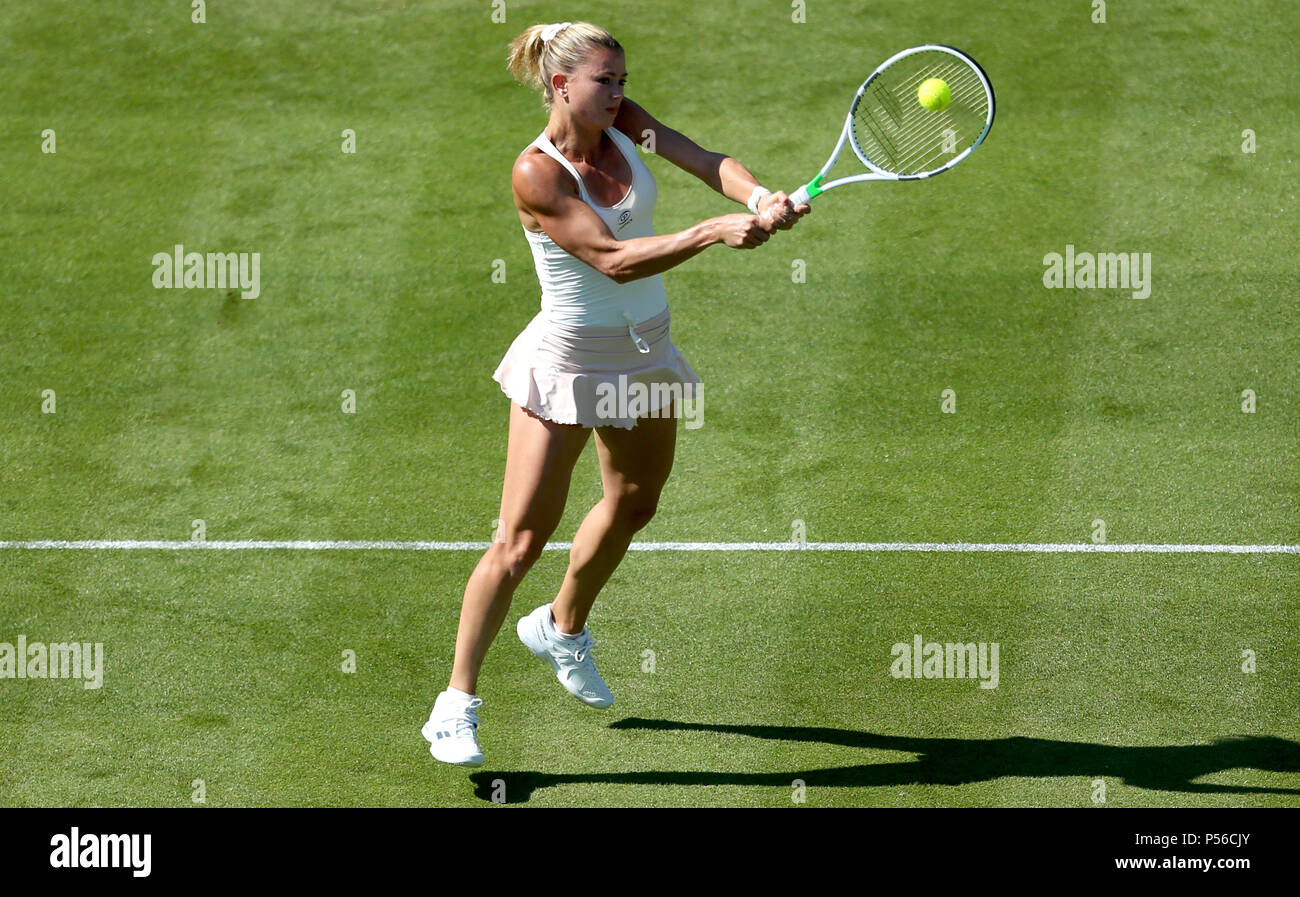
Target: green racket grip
{"type": "Point", "coordinates": [807, 191]}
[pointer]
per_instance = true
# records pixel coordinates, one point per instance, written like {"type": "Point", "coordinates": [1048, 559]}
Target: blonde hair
{"type": "Point", "coordinates": [534, 61]}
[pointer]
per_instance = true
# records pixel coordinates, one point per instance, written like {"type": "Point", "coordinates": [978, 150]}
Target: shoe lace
{"type": "Point", "coordinates": [580, 649]}
{"type": "Point", "coordinates": [468, 722]}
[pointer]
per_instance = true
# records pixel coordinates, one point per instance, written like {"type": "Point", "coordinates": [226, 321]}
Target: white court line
{"type": "Point", "coordinates": [1025, 547]}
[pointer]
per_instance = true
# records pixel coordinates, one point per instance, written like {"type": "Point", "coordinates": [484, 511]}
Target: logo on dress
{"type": "Point", "coordinates": [624, 218]}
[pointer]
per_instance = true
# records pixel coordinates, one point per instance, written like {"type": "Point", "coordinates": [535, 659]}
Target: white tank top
{"type": "Point", "coordinates": [576, 294]}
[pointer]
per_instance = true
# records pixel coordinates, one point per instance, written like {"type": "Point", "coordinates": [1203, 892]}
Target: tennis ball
{"type": "Point", "coordinates": [934, 94]}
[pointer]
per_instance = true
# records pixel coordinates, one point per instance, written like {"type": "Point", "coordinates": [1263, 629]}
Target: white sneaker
{"type": "Point", "coordinates": [569, 658]}
{"type": "Point", "coordinates": [452, 730]}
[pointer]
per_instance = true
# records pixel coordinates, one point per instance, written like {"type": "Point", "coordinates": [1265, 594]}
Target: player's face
{"type": "Point", "coordinates": [595, 90]}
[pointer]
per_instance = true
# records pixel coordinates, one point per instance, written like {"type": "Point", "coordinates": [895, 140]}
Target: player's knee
{"type": "Point", "coordinates": [520, 551]}
{"type": "Point", "coordinates": [640, 517]}
{"type": "Point", "coordinates": [636, 512]}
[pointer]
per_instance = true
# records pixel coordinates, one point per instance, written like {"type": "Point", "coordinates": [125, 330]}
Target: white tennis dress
{"type": "Point", "coordinates": [594, 336]}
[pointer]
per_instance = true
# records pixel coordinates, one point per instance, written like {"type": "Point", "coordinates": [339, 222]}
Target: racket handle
{"type": "Point", "coordinates": [808, 191]}
{"type": "Point", "coordinates": [800, 196]}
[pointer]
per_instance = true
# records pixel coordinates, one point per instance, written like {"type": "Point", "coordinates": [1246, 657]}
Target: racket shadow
{"type": "Point", "coordinates": [939, 761]}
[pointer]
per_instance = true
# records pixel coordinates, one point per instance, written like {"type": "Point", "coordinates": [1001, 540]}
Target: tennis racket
{"type": "Point", "coordinates": [898, 138]}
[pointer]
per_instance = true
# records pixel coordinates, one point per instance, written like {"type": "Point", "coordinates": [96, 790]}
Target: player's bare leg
{"type": "Point", "coordinates": [540, 458]}
{"type": "Point", "coordinates": [634, 465]}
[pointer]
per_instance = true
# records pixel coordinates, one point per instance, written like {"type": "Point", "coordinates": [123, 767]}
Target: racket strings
{"type": "Point", "coordinates": [964, 86]}
{"type": "Point", "coordinates": [920, 143]}
{"type": "Point", "coordinates": [914, 140]}
{"type": "Point", "coordinates": [899, 135]}
{"type": "Point", "coordinates": [877, 129]}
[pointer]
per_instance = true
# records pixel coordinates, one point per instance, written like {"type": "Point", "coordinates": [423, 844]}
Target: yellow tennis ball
{"type": "Point", "coordinates": [934, 94]}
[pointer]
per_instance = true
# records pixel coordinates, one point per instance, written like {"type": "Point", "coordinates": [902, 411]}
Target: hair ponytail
{"type": "Point", "coordinates": [534, 61]}
{"type": "Point", "coordinates": [525, 59]}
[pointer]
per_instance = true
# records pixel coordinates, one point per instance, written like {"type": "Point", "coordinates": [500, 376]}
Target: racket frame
{"type": "Point", "coordinates": [816, 185]}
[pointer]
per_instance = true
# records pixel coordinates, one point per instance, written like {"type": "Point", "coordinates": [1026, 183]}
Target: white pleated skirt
{"type": "Point", "coordinates": [596, 376]}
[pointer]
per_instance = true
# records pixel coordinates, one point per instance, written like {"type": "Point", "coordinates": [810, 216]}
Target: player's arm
{"type": "Point", "coordinates": [720, 171]}
{"type": "Point", "coordinates": [547, 192]}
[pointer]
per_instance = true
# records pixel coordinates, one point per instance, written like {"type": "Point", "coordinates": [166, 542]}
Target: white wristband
{"type": "Point", "coordinates": [754, 197]}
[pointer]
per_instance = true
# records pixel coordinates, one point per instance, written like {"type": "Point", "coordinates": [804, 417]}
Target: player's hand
{"type": "Point", "coordinates": [775, 212]}
{"type": "Point", "coordinates": [742, 231]}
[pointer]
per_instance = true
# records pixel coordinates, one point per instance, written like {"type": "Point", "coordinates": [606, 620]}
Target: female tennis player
{"type": "Point", "coordinates": [585, 201]}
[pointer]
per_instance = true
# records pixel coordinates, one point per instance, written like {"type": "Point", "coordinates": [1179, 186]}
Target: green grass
{"type": "Point", "coordinates": [822, 403]}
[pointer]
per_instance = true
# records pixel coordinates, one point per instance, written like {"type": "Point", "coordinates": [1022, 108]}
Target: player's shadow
{"type": "Point", "coordinates": [943, 761]}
